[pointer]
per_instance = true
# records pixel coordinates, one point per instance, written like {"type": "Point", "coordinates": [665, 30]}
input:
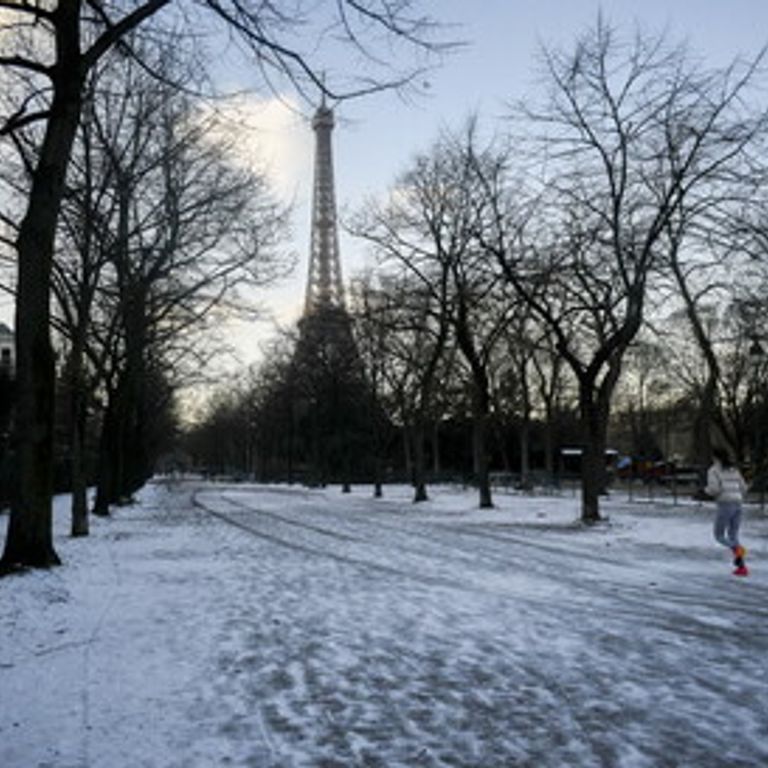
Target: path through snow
{"type": "Point", "coordinates": [282, 628]}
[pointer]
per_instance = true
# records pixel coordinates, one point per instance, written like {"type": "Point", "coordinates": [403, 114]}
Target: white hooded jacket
{"type": "Point", "coordinates": [725, 483]}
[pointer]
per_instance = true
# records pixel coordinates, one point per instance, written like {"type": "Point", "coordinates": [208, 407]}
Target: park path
{"type": "Point", "coordinates": [284, 628]}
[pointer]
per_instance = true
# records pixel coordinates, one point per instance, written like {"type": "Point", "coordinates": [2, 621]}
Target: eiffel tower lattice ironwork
{"type": "Point", "coordinates": [332, 401]}
{"type": "Point", "coordinates": [324, 283]}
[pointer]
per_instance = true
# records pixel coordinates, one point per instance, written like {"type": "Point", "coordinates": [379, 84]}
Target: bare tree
{"type": "Point", "coordinates": [430, 228]}
{"type": "Point", "coordinates": [370, 311]}
{"type": "Point", "coordinates": [715, 263]}
{"type": "Point", "coordinates": [526, 383]}
{"type": "Point", "coordinates": [409, 233]}
{"type": "Point", "coordinates": [629, 133]}
{"type": "Point", "coordinates": [416, 361]}
{"type": "Point", "coordinates": [189, 229]}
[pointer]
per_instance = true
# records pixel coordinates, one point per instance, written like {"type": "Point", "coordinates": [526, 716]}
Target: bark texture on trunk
{"type": "Point", "coordinates": [594, 414]}
{"type": "Point", "coordinates": [29, 541]}
{"type": "Point", "coordinates": [419, 463]}
{"type": "Point", "coordinates": [481, 406]}
{"type": "Point", "coordinates": [79, 481]}
{"type": "Point", "coordinates": [481, 460]}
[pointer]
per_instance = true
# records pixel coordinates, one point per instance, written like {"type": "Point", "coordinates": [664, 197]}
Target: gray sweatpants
{"type": "Point", "coordinates": [727, 523]}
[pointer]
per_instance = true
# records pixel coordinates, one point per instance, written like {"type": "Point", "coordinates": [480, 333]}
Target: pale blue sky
{"type": "Point", "coordinates": [498, 66]}
{"type": "Point", "coordinates": [376, 137]}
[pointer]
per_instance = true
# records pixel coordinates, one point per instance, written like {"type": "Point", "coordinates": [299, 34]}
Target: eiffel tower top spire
{"type": "Point", "coordinates": [324, 284]}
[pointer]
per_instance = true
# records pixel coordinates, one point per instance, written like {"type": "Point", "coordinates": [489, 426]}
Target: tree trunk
{"type": "Point", "coordinates": [595, 425]}
{"type": "Point", "coordinates": [702, 428]}
{"type": "Point", "coordinates": [525, 453]}
{"type": "Point", "coordinates": [111, 444]}
{"type": "Point", "coordinates": [408, 452]}
{"type": "Point", "coordinates": [29, 541]}
{"type": "Point", "coordinates": [480, 445]}
{"type": "Point", "coordinates": [549, 448]}
{"type": "Point", "coordinates": [30, 530]}
{"type": "Point", "coordinates": [104, 481]}
{"type": "Point", "coordinates": [78, 420]}
{"type": "Point", "coordinates": [377, 460]}
{"type": "Point", "coordinates": [79, 475]}
{"type": "Point", "coordinates": [499, 432]}
{"type": "Point", "coordinates": [117, 455]}
{"type": "Point", "coordinates": [419, 463]}
{"type": "Point", "coordinates": [436, 464]}
{"type": "Point", "coordinates": [525, 426]}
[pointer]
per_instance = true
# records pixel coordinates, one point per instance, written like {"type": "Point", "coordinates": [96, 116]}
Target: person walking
{"type": "Point", "coordinates": [726, 486]}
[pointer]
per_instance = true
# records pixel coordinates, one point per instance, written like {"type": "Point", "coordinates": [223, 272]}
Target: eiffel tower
{"type": "Point", "coordinates": [324, 285]}
{"type": "Point", "coordinates": [325, 323]}
{"type": "Point", "coordinates": [332, 393]}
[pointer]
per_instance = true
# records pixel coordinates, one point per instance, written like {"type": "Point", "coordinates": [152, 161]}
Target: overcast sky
{"type": "Point", "coordinates": [376, 137]}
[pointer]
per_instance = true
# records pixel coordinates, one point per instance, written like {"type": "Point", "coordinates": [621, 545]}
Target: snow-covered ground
{"type": "Point", "coordinates": [212, 625]}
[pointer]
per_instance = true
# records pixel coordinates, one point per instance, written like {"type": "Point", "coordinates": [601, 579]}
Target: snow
{"type": "Point", "coordinates": [281, 627]}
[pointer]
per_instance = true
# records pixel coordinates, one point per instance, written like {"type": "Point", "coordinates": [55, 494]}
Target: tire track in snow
{"type": "Point", "coordinates": [317, 552]}
{"type": "Point", "coordinates": [444, 559]}
{"type": "Point", "coordinates": [589, 594]}
{"type": "Point", "coordinates": [570, 559]}
{"type": "Point", "coordinates": [629, 620]}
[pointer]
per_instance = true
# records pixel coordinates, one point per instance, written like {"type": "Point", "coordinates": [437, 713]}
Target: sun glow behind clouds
{"type": "Point", "coordinates": [270, 136]}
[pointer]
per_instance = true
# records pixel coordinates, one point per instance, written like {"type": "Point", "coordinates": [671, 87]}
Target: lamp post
{"type": "Point", "coordinates": [756, 356]}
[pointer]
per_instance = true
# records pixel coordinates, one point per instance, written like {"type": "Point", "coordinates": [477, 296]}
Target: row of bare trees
{"type": "Point", "coordinates": [628, 201]}
{"type": "Point", "coordinates": [631, 193]}
{"type": "Point", "coordinates": [158, 230]}
{"type": "Point", "coordinates": [637, 168]}
{"type": "Point", "coordinates": [155, 251]}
